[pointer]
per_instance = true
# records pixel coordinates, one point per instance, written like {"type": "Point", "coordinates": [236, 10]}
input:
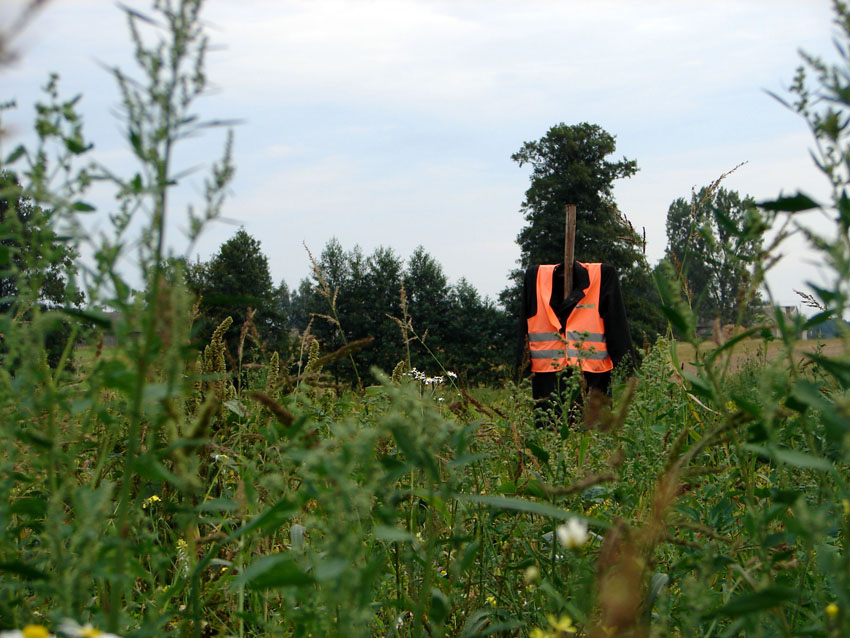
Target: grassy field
{"type": "Point", "coordinates": [278, 507]}
{"type": "Point", "coordinates": [758, 350]}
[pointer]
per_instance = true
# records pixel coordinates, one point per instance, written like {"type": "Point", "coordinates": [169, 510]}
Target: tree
{"type": "Point", "coordinates": [711, 243]}
{"type": "Point", "coordinates": [348, 298]}
{"type": "Point", "coordinates": [428, 304]}
{"type": "Point", "coordinates": [35, 264]}
{"type": "Point", "coordinates": [34, 259]}
{"type": "Point", "coordinates": [569, 166]}
{"type": "Point", "coordinates": [236, 278]}
{"type": "Point", "coordinates": [480, 339]}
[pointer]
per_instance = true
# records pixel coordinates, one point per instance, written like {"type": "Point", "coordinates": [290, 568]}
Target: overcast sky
{"type": "Point", "coordinates": [392, 122]}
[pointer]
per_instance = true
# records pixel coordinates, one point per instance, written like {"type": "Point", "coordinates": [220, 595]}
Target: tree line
{"type": "Point", "coordinates": [409, 308]}
{"type": "Point", "coordinates": [415, 315]}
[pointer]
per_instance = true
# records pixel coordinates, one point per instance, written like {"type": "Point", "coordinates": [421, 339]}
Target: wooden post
{"type": "Point", "coordinates": [569, 248]}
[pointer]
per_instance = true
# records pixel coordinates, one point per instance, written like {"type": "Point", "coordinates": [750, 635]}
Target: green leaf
{"type": "Point", "coordinates": [837, 368]}
{"type": "Point", "coordinates": [466, 459]}
{"type": "Point", "coordinates": [15, 155]}
{"type": "Point", "coordinates": [82, 207]}
{"type": "Point", "coordinates": [486, 622]}
{"type": "Point", "coordinates": [677, 319]}
{"type": "Point", "coordinates": [749, 603]}
{"type": "Point", "coordinates": [699, 386]}
{"type": "Point", "coordinates": [31, 506]}
{"type": "Point", "coordinates": [541, 454]}
{"type": "Point", "coordinates": [792, 204]}
{"type": "Point", "coordinates": [469, 556]}
{"type": "Point", "coordinates": [329, 569]}
{"type": "Point", "coordinates": [23, 570]}
{"type": "Point", "coordinates": [819, 318]}
{"type": "Point", "coordinates": [218, 505]}
{"type": "Point", "coordinates": [440, 606]}
{"type": "Point", "coordinates": [97, 318]}
{"type": "Point", "coordinates": [530, 507]}
{"type": "Point", "coordinates": [656, 584]}
{"type": "Point", "coordinates": [790, 457]}
{"type": "Point", "coordinates": [805, 394]}
{"type": "Point", "coordinates": [508, 487]}
{"type": "Point", "coordinates": [273, 518]}
{"type": "Point", "coordinates": [272, 571]}
{"type": "Point", "coordinates": [235, 406]}
{"type": "Point", "coordinates": [393, 534]}
{"type": "Point", "coordinates": [136, 142]}
{"type": "Point", "coordinates": [75, 146]}
{"type": "Point", "coordinates": [675, 308]}
{"type": "Point", "coordinates": [150, 468]}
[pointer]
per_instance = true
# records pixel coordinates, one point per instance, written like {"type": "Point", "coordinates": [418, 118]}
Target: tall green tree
{"type": "Point", "coordinates": [236, 278]}
{"type": "Point", "coordinates": [569, 165]}
{"type": "Point", "coordinates": [36, 265]}
{"type": "Point", "coordinates": [428, 304]}
{"type": "Point", "coordinates": [712, 241]}
{"type": "Point", "coordinates": [34, 261]}
{"type": "Point", "coordinates": [349, 297]}
{"type": "Point", "coordinates": [480, 338]}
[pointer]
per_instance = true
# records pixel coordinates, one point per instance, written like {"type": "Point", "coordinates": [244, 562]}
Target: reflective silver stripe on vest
{"type": "Point", "coordinates": [586, 336]}
{"type": "Point", "coordinates": [587, 354]}
{"type": "Point", "coordinates": [547, 354]}
{"type": "Point", "coordinates": [544, 336]}
{"type": "Point", "coordinates": [572, 354]}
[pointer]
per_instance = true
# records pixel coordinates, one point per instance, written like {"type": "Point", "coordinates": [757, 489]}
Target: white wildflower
{"type": "Point", "coordinates": [451, 374]}
{"type": "Point", "coordinates": [74, 629]}
{"type": "Point", "coordinates": [29, 631]}
{"type": "Point", "coordinates": [573, 534]}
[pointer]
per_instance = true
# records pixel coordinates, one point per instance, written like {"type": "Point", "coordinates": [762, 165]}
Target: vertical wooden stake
{"type": "Point", "coordinates": [569, 248]}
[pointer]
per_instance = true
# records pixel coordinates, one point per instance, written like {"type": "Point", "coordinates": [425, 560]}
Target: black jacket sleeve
{"type": "Point", "coordinates": [528, 308]}
{"type": "Point", "coordinates": [613, 312]}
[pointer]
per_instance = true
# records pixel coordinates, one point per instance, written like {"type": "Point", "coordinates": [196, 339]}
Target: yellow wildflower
{"type": "Point", "coordinates": [564, 624]}
{"type": "Point", "coordinates": [35, 631]}
{"type": "Point", "coordinates": [832, 610]}
{"type": "Point", "coordinates": [150, 500]}
{"type": "Point", "coordinates": [537, 632]}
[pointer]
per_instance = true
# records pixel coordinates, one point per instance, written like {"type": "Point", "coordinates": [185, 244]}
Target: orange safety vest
{"type": "Point", "coordinates": [583, 340]}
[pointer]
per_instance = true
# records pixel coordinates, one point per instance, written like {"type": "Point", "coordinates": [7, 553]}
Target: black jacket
{"type": "Point", "coordinates": [611, 309]}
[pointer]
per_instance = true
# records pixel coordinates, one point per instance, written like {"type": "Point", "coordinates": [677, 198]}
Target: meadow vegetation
{"type": "Point", "coordinates": [164, 486]}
